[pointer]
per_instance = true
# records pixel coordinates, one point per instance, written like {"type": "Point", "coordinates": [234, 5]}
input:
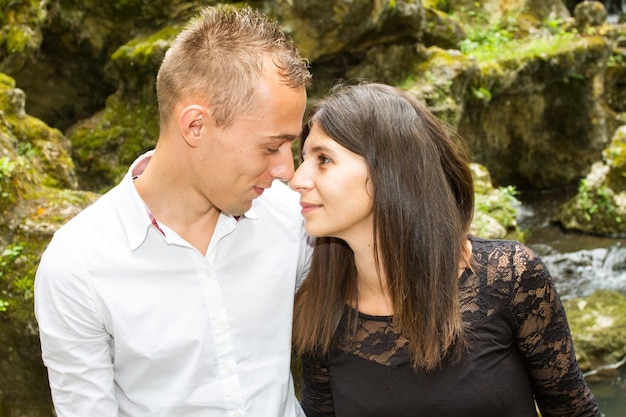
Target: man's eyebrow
{"type": "Point", "coordinates": [285, 136]}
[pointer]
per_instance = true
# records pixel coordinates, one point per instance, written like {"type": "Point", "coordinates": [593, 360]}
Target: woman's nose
{"type": "Point", "coordinates": [300, 181]}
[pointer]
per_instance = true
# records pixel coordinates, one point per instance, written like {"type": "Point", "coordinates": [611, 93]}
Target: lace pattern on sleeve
{"type": "Point", "coordinates": [317, 399]}
{"type": "Point", "coordinates": [510, 275]}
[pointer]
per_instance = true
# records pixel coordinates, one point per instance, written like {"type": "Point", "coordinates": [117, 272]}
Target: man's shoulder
{"type": "Point", "coordinates": [94, 219]}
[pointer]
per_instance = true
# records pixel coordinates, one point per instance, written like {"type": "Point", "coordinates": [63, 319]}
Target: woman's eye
{"type": "Point", "coordinates": [271, 150]}
{"type": "Point", "coordinates": [323, 159]}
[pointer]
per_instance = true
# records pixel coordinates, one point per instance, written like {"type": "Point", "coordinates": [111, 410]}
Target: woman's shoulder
{"type": "Point", "coordinates": [505, 265]}
{"type": "Point", "coordinates": [492, 246]}
{"type": "Point", "coordinates": [502, 253]}
{"type": "Point", "coordinates": [486, 286]}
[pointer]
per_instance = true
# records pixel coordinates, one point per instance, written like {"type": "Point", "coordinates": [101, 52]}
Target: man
{"type": "Point", "coordinates": [172, 294]}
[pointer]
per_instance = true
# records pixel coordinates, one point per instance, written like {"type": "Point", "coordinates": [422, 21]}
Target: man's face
{"type": "Point", "coordinates": [239, 161]}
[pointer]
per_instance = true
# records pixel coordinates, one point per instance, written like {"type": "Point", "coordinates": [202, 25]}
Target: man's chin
{"type": "Point", "coordinates": [238, 211]}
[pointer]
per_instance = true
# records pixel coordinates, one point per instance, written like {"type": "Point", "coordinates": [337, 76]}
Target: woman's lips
{"type": "Point", "coordinates": [308, 207]}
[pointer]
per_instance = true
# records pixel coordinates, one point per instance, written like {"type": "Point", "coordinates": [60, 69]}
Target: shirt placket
{"type": "Point", "coordinates": [220, 327]}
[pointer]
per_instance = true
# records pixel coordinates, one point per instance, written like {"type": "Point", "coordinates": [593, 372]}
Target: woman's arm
{"type": "Point", "coordinates": [545, 342]}
{"type": "Point", "coordinates": [317, 398]}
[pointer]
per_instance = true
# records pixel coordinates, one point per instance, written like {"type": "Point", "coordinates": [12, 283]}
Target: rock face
{"type": "Point", "coordinates": [37, 195]}
{"type": "Point", "coordinates": [522, 102]}
{"type": "Point", "coordinates": [600, 205]}
{"type": "Point", "coordinates": [541, 123]}
{"type": "Point", "coordinates": [57, 51]}
{"type": "Point", "coordinates": [598, 325]}
{"type": "Point", "coordinates": [535, 92]}
{"type": "Point", "coordinates": [105, 144]}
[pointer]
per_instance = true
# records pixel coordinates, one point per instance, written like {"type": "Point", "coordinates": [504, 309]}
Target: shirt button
{"type": "Point", "coordinates": [207, 272]}
{"type": "Point", "coordinates": [237, 415]}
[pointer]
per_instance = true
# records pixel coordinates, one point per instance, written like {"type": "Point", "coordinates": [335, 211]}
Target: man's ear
{"type": "Point", "coordinates": [193, 119]}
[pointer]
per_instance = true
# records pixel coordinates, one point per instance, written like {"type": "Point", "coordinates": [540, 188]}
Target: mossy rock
{"type": "Point", "coordinates": [615, 158]}
{"type": "Point", "coordinates": [599, 207]}
{"type": "Point", "coordinates": [32, 153]}
{"type": "Point", "coordinates": [598, 325]}
{"type": "Point", "coordinates": [495, 214]}
{"type": "Point", "coordinates": [104, 145]}
{"type": "Point", "coordinates": [107, 143]}
{"type": "Point", "coordinates": [20, 29]}
{"type": "Point", "coordinates": [595, 211]}
{"type": "Point", "coordinates": [26, 231]}
{"type": "Point", "coordinates": [442, 30]}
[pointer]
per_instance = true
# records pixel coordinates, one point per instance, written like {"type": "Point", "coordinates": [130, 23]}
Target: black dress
{"type": "Point", "coordinates": [520, 350]}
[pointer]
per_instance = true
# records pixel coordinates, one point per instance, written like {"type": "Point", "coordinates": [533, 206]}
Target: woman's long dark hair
{"type": "Point", "coordinates": [423, 207]}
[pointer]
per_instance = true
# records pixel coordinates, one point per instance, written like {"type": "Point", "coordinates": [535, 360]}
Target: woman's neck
{"type": "Point", "coordinates": [373, 293]}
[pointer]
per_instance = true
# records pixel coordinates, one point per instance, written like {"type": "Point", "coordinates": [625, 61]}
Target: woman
{"type": "Point", "coordinates": [403, 313]}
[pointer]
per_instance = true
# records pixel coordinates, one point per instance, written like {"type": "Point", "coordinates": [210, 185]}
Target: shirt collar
{"type": "Point", "coordinates": [131, 208]}
{"type": "Point", "coordinates": [135, 215]}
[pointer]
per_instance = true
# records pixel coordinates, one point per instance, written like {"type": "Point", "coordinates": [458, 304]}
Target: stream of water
{"type": "Point", "coordinates": [614, 10]}
{"type": "Point", "coordinates": [591, 265]}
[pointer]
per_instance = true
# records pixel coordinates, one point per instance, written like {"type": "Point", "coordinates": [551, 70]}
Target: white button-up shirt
{"type": "Point", "coordinates": [134, 321]}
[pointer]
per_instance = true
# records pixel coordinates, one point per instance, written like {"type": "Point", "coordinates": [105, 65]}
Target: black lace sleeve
{"type": "Point", "coordinates": [317, 399]}
{"type": "Point", "coordinates": [545, 342]}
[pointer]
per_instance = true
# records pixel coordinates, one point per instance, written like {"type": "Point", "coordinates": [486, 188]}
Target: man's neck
{"type": "Point", "coordinates": [172, 202]}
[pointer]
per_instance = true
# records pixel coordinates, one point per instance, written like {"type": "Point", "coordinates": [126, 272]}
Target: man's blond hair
{"type": "Point", "coordinates": [219, 58]}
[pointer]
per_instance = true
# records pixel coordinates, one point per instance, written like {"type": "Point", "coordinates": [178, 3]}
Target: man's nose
{"type": "Point", "coordinates": [284, 168]}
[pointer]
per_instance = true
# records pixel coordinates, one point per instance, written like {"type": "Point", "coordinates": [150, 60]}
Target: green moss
{"type": "Point", "coordinates": [43, 210]}
{"type": "Point", "coordinates": [34, 153]}
{"type": "Point", "coordinates": [51, 205]}
{"type": "Point", "coordinates": [502, 46]}
{"type": "Point", "coordinates": [18, 328]}
{"type": "Point", "coordinates": [143, 50]}
{"type": "Point", "coordinates": [598, 325]}
{"type": "Point", "coordinates": [20, 23]}
{"type": "Point", "coordinates": [104, 146]}
{"type": "Point", "coordinates": [6, 82]}
{"type": "Point", "coordinates": [502, 206]}
{"type": "Point", "coordinates": [19, 39]}
{"type": "Point", "coordinates": [442, 5]}
{"type": "Point", "coordinates": [439, 80]}
{"type": "Point", "coordinates": [34, 139]}
{"type": "Point", "coordinates": [16, 179]}
{"type": "Point", "coordinates": [615, 158]}
{"type": "Point", "coordinates": [593, 210]}
{"type": "Point", "coordinates": [18, 264]}
{"type": "Point", "coordinates": [616, 60]}
{"type": "Point", "coordinates": [495, 214]}
{"type": "Point", "coordinates": [499, 205]}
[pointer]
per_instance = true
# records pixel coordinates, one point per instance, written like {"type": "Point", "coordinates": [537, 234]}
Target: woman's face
{"type": "Point", "coordinates": [335, 190]}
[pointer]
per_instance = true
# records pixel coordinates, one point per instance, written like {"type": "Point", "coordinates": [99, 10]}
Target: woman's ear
{"type": "Point", "coordinates": [369, 185]}
{"type": "Point", "coordinates": [192, 121]}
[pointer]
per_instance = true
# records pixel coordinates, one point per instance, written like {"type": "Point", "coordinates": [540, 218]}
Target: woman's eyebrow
{"type": "Point", "coordinates": [321, 148]}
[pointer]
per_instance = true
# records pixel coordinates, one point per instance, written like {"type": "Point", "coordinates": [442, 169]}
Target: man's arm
{"type": "Point", "coordinates": [306, 250]}
{"type": "Point", "coordinates": [75, 346]}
